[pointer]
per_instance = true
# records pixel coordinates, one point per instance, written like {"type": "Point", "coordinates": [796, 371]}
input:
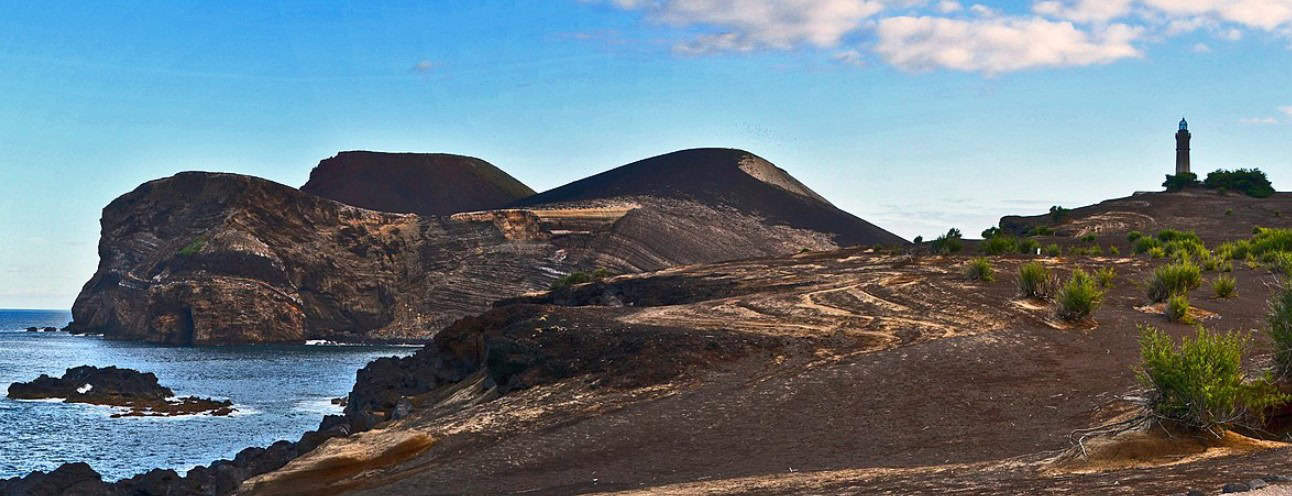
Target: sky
{"type": "Point", "coordinates": [915, 115]}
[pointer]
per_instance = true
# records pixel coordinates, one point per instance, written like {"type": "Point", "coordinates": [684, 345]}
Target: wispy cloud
{"type": "Point", "coordinates": [423, 66]}
{"type": "Point", "coordinates": [999, 45]}
{"type": "Point", "coordinates": [944, 34]}
{"type": "Point", "coordinates": [1286, 109]}
{"type": "Point", "coordinates": [1258, 120]}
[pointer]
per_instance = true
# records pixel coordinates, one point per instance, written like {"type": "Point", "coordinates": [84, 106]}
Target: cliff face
{"type": "Point", "coordinates": [203, 258]}
{"type": "Point", "coordinates": [206, 258]}
{"type": "Point", "coordinates": [420, 183]}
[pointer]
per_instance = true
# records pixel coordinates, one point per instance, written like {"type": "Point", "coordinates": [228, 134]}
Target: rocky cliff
{"type": "Point", "coordinates": [207, 258]}
{"type": "Point", "coordinates": [420, 183]}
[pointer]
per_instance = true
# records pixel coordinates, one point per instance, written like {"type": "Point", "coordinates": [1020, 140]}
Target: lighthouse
{"type": "Point", "coordinates": [1182, 148]}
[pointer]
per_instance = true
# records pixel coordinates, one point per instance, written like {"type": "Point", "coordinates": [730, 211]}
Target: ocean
{"type": "Point", "coordinates": [279, 391]}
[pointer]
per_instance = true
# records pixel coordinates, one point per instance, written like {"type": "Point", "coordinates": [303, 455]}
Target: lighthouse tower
{"type": "Point", "coordinates": [1182, 148]}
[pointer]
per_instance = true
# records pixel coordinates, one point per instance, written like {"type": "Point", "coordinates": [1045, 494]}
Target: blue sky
{"type": "Point", "coordinates": [915, 115]}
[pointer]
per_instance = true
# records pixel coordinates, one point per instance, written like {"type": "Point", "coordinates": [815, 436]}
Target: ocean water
{"type": "Point", "coordinates": [279, 391]}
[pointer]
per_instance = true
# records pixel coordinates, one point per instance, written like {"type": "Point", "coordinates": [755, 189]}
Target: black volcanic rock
{"type": "Point", "coordinates": [70, 479]}
{"type": "Point", "coordinates": [112, 386]}
{"type": "Point", "coordinates": [106, 382]}
{"type": "Point", "coordinates": [420, 183]}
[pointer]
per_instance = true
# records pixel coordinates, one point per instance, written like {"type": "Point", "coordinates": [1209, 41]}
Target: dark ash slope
{"type": "Point", "coordinates": [420, 183]}
{"type": "Point", "coordinates": [722, 177]}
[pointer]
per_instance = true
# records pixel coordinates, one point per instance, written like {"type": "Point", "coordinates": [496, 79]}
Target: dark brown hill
{"type": "Point", "coordinates": [722, 177]}
{"type": "Point", "coordinates": [1214, 217]}
{"type": "Point", "coordinates": [420, 183]}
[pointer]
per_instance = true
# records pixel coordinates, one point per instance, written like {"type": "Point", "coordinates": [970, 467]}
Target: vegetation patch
{"type": "Point", "coordinates": [980, 270]}
{"type": "Point", "coordinates": [579, 277]}
{"type": "Point", "coordinates": [1035, 281]}
{"type": "Point", "coordinates": [1280, 330]}
{"type": "Point", "coordinates": [1250, 181]}
{"type": "Point", "coordinates": [193, 247]}
{"type": "Point", "coordinates": [1079, 297]}
{"type": "Point", "coordinates": [1145, 244]}
{"type": "Point", "coordinates": [1177, 309]}
{"type": "Point", "coordinates": [948, 243]}
{"type": "Point", "coordinates": [1224, 286]}
{"type": "Point", "coordinates": [1105, 276]}
{"type": "Point", "coordinates": [1173, 279]}
{"type": "Point", "coordinates": [1201, 386]}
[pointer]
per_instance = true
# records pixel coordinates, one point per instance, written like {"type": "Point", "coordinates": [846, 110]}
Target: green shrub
{"type": "Point", "coordinates": [1106, 276]}
{"type": "Point", "coordinates": [1041, 231]}
{"type": "Point", "coordinates": [919, 240]}
{"type": "Point", "coordinates": [1088, 238]}
{"type": "Point", "coordinates": [1028, 246]}
{"type": "Point", "coordinates": [1053, 250]}
{"type": "Point", "coordinates": [1134, 236]}
{"type": "Point", "coordinates": [980, 270]}
{"type": "Point", "coordinates": [1280, 330]}
{"type": "Point", "coordinates": [990, 232]}
{"type": "Point", "coordinates": [1144, 244]}
{"type": "Point", "coordinates": [949, 242]}
{"type": "Point", "coordinates": [1177, 308]}
{"type": "Point", "coordinates": [1209, 263]}
{"type": "Point", "coordinates": [1079, 297]}
{"type": "Point", "coordinates": [1224, 286]}
{"type": "Point", "coordinates": [193, 247]}
{"type": "Point", "coordinates": [1057, 214]}
{"type": "Point", "coordinates": [1180, 181]}
{"type": "Point", "coordinates": [1201, 386]}
{"type": "Point", "coordinates": [1000, 244]}
{"type": "Point", "coordinates": [1157, 252]}
{"type": "Point", "coordinates": [1267, 240]}
{"type": "Point", "coordinates": [1229, 211]}
{"type": "Point", "coordinates": [1250, 181]}
{"type": "Point", "coordinates": [1186, 246]}
{"type": "Point", "coordinates": [1173, 279]}
{"type": "Point", "coordinates": [1234, 250]}
{"type": "Point", "coordinates": [1114, 250]}
{"type": "Point", "coordinates": [1167, 235]}
{"type": "Point", "coordinates": [579, 277]}
{"type": "Point", "coordinates": [1034, 281]}
{"type": "Point", "coordinates": [1281, 262]}
{"type": "Point", "coordinates": [1226, 266]}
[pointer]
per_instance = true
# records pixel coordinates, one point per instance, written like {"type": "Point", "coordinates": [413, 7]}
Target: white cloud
{"type": "Point", "coordinates": [992, 37]}
{"type": "Point", "coordinates": [1083, 10]}
{"type": "Point", "coordinates": [423, 66]}
{"type": "Point", "coordinates": [748, 24]}
{"type": "Point", "coordinates": [999, 45]}
{"type": "Point", "coordinates": [1287, 110]}
{"type": "Point", "coordinates": [982, 10]}
{"type": "Point", "coordinates": [1258, 120]}
{"type": "Point", "coordinates": [1267, 15]}
{"type": "Point", "coordinates": [850, 57]}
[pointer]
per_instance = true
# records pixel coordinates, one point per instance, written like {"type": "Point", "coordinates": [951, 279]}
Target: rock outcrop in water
{"type": "Point", "coordinates": [138, 391]}
{"type": "Point", "coordinates": [419, 183]}
{"type": "Point", "coordinates": [208, 258]}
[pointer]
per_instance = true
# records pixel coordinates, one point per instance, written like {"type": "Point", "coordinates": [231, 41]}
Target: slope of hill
{"type": "Point", "coordinates": [420, 183]}
{"type": "Point", "coordinates": [720, 176]}
{"type": "Point", "coordinates": [1213, 216]}
{"type": "Point", "coordinates": [842, 372]}
{"type": "Point", "coordinates": [206, 258]}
